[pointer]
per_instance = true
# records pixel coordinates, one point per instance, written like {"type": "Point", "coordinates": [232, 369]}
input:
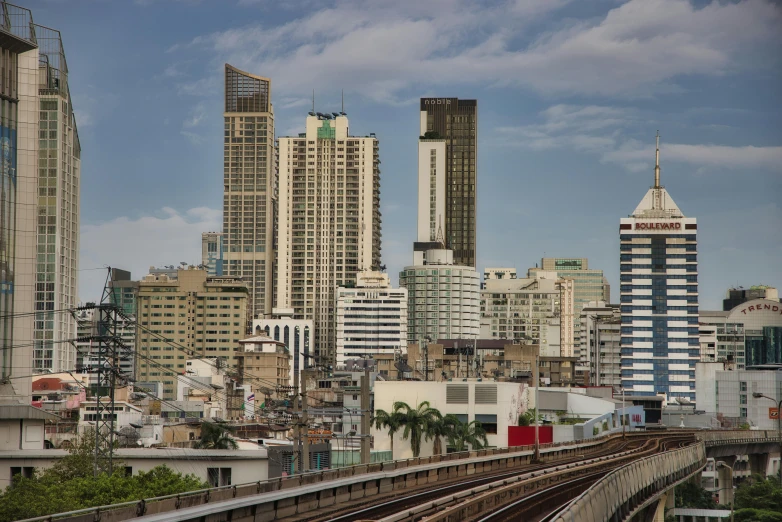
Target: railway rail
{"type": "Point", "coordinates": [528, 492]}
{"type": "Point", "coordinates": [426, 502]}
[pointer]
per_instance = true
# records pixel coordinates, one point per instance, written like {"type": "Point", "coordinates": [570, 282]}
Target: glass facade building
{"type": "Point", "coordinates": [659, 298]}
{"type": "Point", "coordinates": [456, 121]}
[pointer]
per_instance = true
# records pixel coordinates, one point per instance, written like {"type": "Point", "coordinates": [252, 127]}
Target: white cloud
{"type": "Point", "coordinates": [135, 244]}
{"type": "Point", "coordinates": [604, 131]}
{"type": "Point", "coordinates": [197, 114]}
{"type": "Point", "coordinates": [381, 48]}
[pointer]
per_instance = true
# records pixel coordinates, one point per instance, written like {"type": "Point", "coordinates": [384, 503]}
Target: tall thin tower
{"type": "Point", "coordinates": [456, 122]}
{"type": "Point", "coordinates": [59, 166]}
{"type": "Point", "coordinates": [659, 296]}
{"type": "Point", "coordinates": [249, 186]}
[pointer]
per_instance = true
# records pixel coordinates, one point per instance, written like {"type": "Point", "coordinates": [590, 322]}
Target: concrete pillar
{"type": "Point", "coordinates": [758, 463]}
{"type": "Point", "coordinates": [662, 503]}
{"type": "Point", "coordinates": [725, 477]}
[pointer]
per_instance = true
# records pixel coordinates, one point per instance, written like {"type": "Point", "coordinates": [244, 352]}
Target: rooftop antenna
{"type": "Point", "coordinates": [313, 100]}
{"type": "Point", "coordinates": [657, 162]}
{"type": "Point", "coordinates": [343, 101]}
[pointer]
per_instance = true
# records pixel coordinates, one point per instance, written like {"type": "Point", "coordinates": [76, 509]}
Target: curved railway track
{"type": "Point", "coordinates": [545, 505]}
{"type": "Point", "coordinates": [401, 500]}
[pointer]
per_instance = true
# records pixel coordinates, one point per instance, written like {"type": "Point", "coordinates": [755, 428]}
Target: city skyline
{"type": "Point", "coordinates": [561, 153]}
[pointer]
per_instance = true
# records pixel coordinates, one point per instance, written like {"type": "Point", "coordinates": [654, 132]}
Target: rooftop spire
{"type": "Point", "coordinates": [657, 163]}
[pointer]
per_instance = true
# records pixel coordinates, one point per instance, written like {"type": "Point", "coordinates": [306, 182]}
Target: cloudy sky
{"type": "Point", "coordinates": [570, 96]}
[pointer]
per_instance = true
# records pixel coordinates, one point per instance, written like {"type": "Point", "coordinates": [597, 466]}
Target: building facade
{"type": "Point", "coordinates": [19, 108]}
{"type": "Point", "coordinates": [329, 219]}
{"type": "Point", "coordinates": [59, 171]}
{"type": "Point", "coordinates": [264, 364]}
{"type": "Point", "coordinates": [455, 122]}
{"type": "Point", "coordinates": [601, 335]}
{"type": "Point", "coordinates": [371, 318]}
{"type": "Point", "coordinates": [659, 297]}
{"type": "Point", "coordinates": [748, 335]}
{"type": "Point", "coordinates": [443, 299]}
{"type": "Point", "coordinates": [538, 309]}
{"type": "Point", "coordinates": [212, 253]}
{"type": "Point", "coordinates": [191, 315]}
{"type": "Point", "coordinates": [735, 400]}
{"type": "Point", "coordinates": [736, 296]}
{"type": "Point", "coordinates": [249, 186]}
{"type": "Point", "coordinates": [296, 334]}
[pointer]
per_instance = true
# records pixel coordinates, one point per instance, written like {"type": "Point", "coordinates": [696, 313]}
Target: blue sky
{"type": "Point", "coordinates": [570, 96]}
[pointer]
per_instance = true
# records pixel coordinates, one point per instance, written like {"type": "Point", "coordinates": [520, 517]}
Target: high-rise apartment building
{"type": "Point", "coordinates": [59, 167]}
{"type": "Point", "coordinates": [449, 128]}
{"type": "Point", "coordinates": [19, 108]}
{"type": "Point", "coordinates": [601, 334]}
{"type": "Point", "coordinates": [443, 299]}
{"type": "Point", "coordinates": [659, 296]}
{"type": "Point", "coordinates": [536, 309]}
{"type": "Point", "coordinates": [249, 186]}
{"type": "Point", "coordinates": [190, 316]}
{"type": "Point", "coordinates": [371, 318]}
{"type": "Point", "coordinates": [329, 219]}
{"type": "Point", "coordinates": [212, 253]}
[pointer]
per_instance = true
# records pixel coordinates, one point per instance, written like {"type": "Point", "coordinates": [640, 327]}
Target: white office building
{"type": "Point", "coordinates": [431, 198]}
{"type": "Point", "coordinates": [329, 219]}
{"type": "Point", "coordinates": [735, 401]}
{"type": "Point", "coordinates": [371, 318]}
{"type": "Point", "coordinates": [443, 299]}
{"type": "Point", "coordinates": [659, 297]}
{"type": "Point", "coordinates": [295, 334]}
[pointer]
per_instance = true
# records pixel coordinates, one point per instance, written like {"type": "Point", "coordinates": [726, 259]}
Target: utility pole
{"type": "Point", "coordinates": [536, 456]}
{"type": "Point", "coordinates": [365, 454]}
{"type": "Point", "coordinates": [296, 428]}
{"type": "Point", "coordinates": [305, 454]}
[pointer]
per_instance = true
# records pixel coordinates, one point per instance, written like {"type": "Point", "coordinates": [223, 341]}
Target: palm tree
{"type": "Point", "coordinates": [438, 429]}
{"type": "Point", "coordinates": [528, 417]}
{"type": "Point", "coordinates": [215, 436]}
{"type": "Point", "coordinates": [389, 421]}
{"type": "Point", "coordinates": [417, 422]}
{"type": "Point", "coordinates": [463, 433]}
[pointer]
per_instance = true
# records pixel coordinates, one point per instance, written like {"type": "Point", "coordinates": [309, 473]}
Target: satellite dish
{"type": "Point", "coordinates": [136, 425]}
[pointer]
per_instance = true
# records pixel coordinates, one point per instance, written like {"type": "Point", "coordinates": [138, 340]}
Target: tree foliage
{"type": "Point", "coordinates": [759, 493]}
{"type": "Point", "coordinates": [70, 485]}
{"type": "Point", "coordinates": [462, 434]}
{"type": "Point", "coordinates": [416, 423]}
{"type": "Point", "coordinates": [689, 495]}
{"type": "Point", "coordinates": [216, 436]}
{"type": "Point", "coordinates": [528, 417]}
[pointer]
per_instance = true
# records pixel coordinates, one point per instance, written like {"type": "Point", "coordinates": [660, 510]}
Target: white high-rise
{"type": "Point", "coordinates": [371, 318]}
{"type": "Point", "coordinates": [59, 166]}
{"type": "Point", "coordinates": [431, 198]}
{"type": "Point", "coordinates": [659, 296]}
{"type": "Point", "coordinates": [328, 220]}
{"type": "Point", "coordinates": [249, 187]}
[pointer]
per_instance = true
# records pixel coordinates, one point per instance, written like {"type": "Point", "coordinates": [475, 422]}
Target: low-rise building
{"type": "Point", "coordinates": [735, 391]}
{"type": "Point", "coordinates": [297, 334]}
{"type": "Point", "coordinates": [496, 405]}
{"type": "Point", "coordinates": [124, 413]}
{"type": "Point", "coordinates": [264, 363]}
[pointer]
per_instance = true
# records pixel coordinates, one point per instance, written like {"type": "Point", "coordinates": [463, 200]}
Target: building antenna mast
{"type": "Point", "coordinates": [343, 101]}
{"type": "Point", "coordinates": [313, 100]}
{"type": "Point", "coordinates": [657, 162]}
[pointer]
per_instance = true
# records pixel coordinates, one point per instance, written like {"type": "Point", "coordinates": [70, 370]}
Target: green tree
{"type": "Point", "coordinates": [416, 423]}
{"type": "Point", "coordinates": [439, 427]}
{"type": "Point", "coordinates": [70, 485]}
{"type": "Point", "coordinates": [759, 493]}
{"type": "Point", "coordinates": [689, 495]}
{"type": "Point", "coordinates": [388, 421]}
{"type": "Point", "coordinates": [216, 436]}
{"type": "Point", "coordinates": [528, 417]}
{"type": "Point", "coordinates": [461, 434]}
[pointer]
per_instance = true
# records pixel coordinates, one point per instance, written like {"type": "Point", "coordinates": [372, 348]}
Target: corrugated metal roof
{"type": "Point", "coordinates": [24, 411]}
{"type": "Point", "coordinates": [690, 512]}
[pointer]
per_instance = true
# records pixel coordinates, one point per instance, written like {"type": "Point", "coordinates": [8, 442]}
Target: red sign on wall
{"type": "Point", "coordinates": [773, 413]}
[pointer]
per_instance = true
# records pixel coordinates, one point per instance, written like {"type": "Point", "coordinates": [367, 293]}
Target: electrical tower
{"type": "Point", "coordinates": [110, 350]}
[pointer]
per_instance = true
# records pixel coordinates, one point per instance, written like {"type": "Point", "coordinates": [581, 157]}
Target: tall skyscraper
{"type": "Point", "coordinates": [455, 122]}
{"type": "Point", "coordinates": [249, 186]}
{"type": "Point", "coordinates": [19, 108]}
{"type": "Point", "coordinates": [659, 296]}
{"type": "Point", "coordinates": [59, 172]}
{"type": "Point", "coordinates": [329, 219]}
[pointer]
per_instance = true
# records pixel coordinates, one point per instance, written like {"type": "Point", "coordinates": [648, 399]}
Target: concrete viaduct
{"type": "Point", "coordinates": [635, 491]}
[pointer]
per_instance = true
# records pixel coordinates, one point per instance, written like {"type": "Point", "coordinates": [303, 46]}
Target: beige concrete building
{"type": "Point", "coordinates": [249, 186]}
{"type": "Point", "coordinates": [264, 363]}
{"type": "Point", "coordinates": [539, 309]}
{"type": "Point", "coordinates": [329, 219]}
{"type": "Point", "coordinates": [192, 314]}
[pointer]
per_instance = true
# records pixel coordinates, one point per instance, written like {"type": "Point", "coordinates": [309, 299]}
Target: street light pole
{"type": "Point", "coordinates": [779, 426]}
